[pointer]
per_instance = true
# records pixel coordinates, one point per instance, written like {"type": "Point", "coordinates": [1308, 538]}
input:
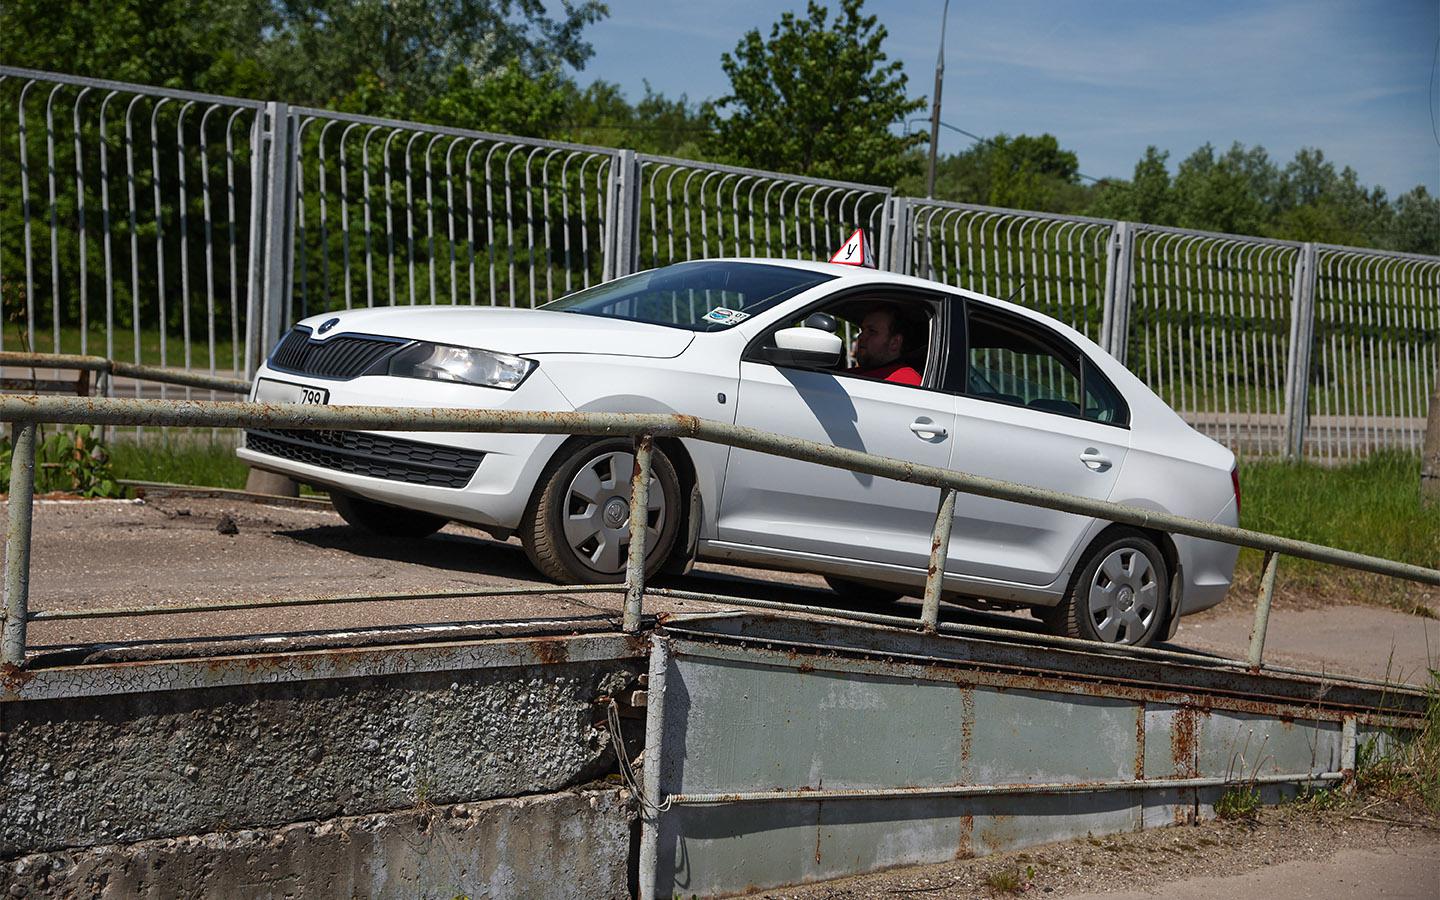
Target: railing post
{"type": "Point", "coordinates": [939, 550]}
{"type": "Point", "coordinates": [1302, 341]}
{"type": "Point", "coordinates": [1262, 609]}
{"type": "Point", "coordinates": [622, 217]}
{"type": "Point", "coordinates": [639, 521]}
{"type": "Point", "coordinates": [1119, 262]}
{"type": "Point", "coordinates": [17, 545]}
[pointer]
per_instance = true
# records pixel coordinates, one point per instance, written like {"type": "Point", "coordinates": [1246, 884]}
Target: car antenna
{"type": "Point", "coordinates": [1015, 293]}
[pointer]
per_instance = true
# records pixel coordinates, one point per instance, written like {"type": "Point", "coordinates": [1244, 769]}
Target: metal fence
{"type": "Point", "coordinates": [183, 230]}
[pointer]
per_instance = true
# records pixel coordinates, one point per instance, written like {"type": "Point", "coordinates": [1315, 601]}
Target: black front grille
{"type": "Point", "coordinates": [359, 453]}
{"type": "Point", "coordinates": [344, 356]}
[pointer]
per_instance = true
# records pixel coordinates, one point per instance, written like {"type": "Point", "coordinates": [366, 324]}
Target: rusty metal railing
{"type": "Point", "coordinates": [114, 367]}
{"type": "Point", "coordinates": [26, 412]}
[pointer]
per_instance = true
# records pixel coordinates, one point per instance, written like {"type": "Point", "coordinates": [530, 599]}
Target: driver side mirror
{"type": "Point", "coordinates": [809, 348]}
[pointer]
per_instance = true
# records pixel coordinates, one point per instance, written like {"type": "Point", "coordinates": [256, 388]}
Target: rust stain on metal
{"type": "Point", "coordinates": [1184, 741]}
{"type": "Point", "coordinates": [551, 652]}
{"type": "Point", "coordinates": [13, 678]}
{"type": "Point", "coordinates": [966, 848]}
{"type": "Point", "coordinates": [999, 834]}
{"type": "Point", "coordinates": [1140, 741]}
{"type": "Point", "coordinates": [967, 729]}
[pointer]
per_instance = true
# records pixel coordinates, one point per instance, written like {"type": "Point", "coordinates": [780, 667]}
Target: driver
{"type": "Point", "coordinates": [879, 346]}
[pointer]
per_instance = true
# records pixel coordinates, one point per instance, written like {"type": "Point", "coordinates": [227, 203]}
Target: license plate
{"type": "Point", "coordinates": [268, 391]}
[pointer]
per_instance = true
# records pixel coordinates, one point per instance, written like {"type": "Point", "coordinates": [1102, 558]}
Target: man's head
{"type": "Point", "coordinates": [880, 341]}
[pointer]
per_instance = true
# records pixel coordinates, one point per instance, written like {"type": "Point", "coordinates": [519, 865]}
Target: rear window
{"type": "Point", "coordinates": [698, 296]}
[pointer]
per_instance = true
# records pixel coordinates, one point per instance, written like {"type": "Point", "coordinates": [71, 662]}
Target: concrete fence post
{"type": "Point", "coordinates": [1302, 342]}
{"type": "Point", "coordinates": [622, 217]}
{"type": "Point", "coordinates": [1119, 263]}
{"type": "Point", "coordinates": [899, 238]}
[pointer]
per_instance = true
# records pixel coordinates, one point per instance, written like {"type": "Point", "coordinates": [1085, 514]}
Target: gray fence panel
{"type": "Point", "coordinates": [1209, 331]}
{"type": "Point", "coordinates": [1054, 264]}
{"type": "Point", "coordinates": [390, 212]}
{"type": "Point", "coordinates": [125, 221]}
{"type": "Point", "coordinates": [695, 210]}
{"type": "Point", "coordinates": [1377, 323]}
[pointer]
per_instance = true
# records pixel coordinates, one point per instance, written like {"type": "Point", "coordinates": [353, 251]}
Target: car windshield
{"type": "Point", "coordinates": [698, 296]}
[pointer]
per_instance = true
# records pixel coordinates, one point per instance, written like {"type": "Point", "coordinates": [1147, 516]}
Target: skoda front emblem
{"type": "Point", "coordinates": [328, 324]}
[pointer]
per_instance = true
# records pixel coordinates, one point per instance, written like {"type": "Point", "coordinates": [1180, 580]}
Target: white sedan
{"type": "Point", "coordinates": [941, 376]}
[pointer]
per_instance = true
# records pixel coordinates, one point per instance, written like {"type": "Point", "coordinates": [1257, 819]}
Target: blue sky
{"type": "Point", "coordinates": [1108, 78]}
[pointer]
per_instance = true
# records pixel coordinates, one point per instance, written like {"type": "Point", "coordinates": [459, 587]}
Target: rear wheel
{"type": "Point", "coordinates": [861, 592]}
{"type": "Point", "coordinates": [578, 529]}
{"type": "Point", "coordinates": [1119, 596]}
{"type": "Point", "coordinates": [385, 521]}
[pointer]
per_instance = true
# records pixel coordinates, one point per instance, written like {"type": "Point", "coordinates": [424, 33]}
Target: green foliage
{"type": "Point", "coordinates": [1406, 769]}
{"type": "Point", "coordinates": [1239, 803]}
{"type": "Point", "coordinates": [71, 462]}
{"type": "Point", "coordinates": [1243, 191]}
{"type": "Point", "coordinates": [1020, 172]}
{"type": "Point", "coordinates": [817, 98]}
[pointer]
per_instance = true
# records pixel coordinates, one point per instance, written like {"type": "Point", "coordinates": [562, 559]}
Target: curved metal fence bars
{"type": "Point", "coordinates": [182, 230]}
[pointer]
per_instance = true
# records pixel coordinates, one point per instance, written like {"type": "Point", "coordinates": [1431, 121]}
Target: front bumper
{"type": "Point", "coordinates": [482, 478]}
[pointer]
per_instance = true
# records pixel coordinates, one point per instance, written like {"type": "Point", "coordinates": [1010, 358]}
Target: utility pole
{"type": "Point", "coordinates": [935, 105]}
{"type": "Point", "coordinates": [1430, 461]}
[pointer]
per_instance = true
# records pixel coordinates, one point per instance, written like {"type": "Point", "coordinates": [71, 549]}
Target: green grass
{"type": "Point", "coordinates": [16, 340]}
{"type": "Point", "coordinates": [1371, 507]}
{"type": "Point", "coordinates": [178, 462]}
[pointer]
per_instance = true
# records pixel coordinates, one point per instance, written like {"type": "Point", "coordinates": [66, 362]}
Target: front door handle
{"type": "Point", "coordinates": [1095, 459]}
{"type": "Point", "coordinates": [927, 429]}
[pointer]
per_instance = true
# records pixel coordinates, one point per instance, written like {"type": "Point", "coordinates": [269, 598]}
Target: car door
{"type": "Point", "coordinates": [1030, 410]}
{"type": "Point", "coordinates": [809, 509]}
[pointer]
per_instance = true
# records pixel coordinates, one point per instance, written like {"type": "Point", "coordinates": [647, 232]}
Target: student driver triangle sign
{"type": "Point", "coordinates": [855, 252]}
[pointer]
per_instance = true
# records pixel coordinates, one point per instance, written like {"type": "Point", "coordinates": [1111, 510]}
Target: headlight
{"type": "Point", "coordinates": [464, 365]}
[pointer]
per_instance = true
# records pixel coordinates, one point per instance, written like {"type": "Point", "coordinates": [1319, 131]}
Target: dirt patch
{"type": "Point", "coordinates": [1154, 861]}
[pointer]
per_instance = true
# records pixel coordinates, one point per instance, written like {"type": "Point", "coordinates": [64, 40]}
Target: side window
{"type": "Point", "coordinates": [887, 336]}
{"type": "Point", "coordinates": [1012, 360]}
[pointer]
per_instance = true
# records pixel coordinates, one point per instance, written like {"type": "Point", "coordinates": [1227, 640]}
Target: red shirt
{"type": "Point", "coordinates": [897, 372]}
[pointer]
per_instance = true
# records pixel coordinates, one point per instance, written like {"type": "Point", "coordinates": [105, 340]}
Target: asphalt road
{"type": "Point", "coordinates": [168, 550]}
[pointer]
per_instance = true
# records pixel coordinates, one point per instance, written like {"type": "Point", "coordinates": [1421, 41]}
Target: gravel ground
{"type": "Point", "coordinates": [1382, 858]}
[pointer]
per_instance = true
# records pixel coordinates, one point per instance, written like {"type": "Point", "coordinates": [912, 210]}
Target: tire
{"type": "Point", "coordinates": [1121, 595]}
{"type": "Point", "coordinates": [861, 592]}
{"type": "Point", "coordinates": [385, 521]}
{"type": "Point", "coordinates": [577, 530]}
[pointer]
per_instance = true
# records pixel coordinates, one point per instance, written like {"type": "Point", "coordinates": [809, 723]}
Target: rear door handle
{"type": "Point", "coordinates": [1095, 459]}
{"type": "Point", "coordinates": [927, 429]}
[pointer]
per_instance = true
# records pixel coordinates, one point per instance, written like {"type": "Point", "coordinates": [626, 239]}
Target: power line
{"type": "Point", "coordinates": [991, 142]}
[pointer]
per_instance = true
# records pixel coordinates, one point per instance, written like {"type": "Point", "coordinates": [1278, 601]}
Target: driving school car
{"type": "Point", "coordinates": [1004, 392]}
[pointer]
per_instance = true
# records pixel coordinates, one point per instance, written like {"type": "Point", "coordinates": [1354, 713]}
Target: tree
{"type": "Point", "coordinates": [1022, 172]}
{"type": "Point", "coordinates": [817, 98]}
{"type": "Point", "coordinates": [322, 51]}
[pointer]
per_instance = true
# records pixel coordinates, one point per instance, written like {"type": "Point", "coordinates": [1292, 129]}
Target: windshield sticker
{"type": "Point", "coordinates": [726, 316]}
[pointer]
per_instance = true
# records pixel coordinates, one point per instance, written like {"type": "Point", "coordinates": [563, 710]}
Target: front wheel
{"type": "Point", "coordinates": [1119, 596]}
{"type": "Point", "coordinates": [577, 531]}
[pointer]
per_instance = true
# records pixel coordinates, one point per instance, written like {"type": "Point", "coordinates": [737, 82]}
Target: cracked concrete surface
{"type": "Point", "coordinates": [95, 770]}
{"type": "Point", "coordinates": [560, 846]}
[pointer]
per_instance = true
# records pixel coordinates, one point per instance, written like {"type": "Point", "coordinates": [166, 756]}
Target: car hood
{"type": "Point", "coordinates": [527, 332]}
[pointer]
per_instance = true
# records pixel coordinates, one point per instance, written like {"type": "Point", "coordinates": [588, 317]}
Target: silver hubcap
{"type": "Point", "coordinates": [1124, 597]}
{"type": "Point", "coordinates": [597, 512]}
